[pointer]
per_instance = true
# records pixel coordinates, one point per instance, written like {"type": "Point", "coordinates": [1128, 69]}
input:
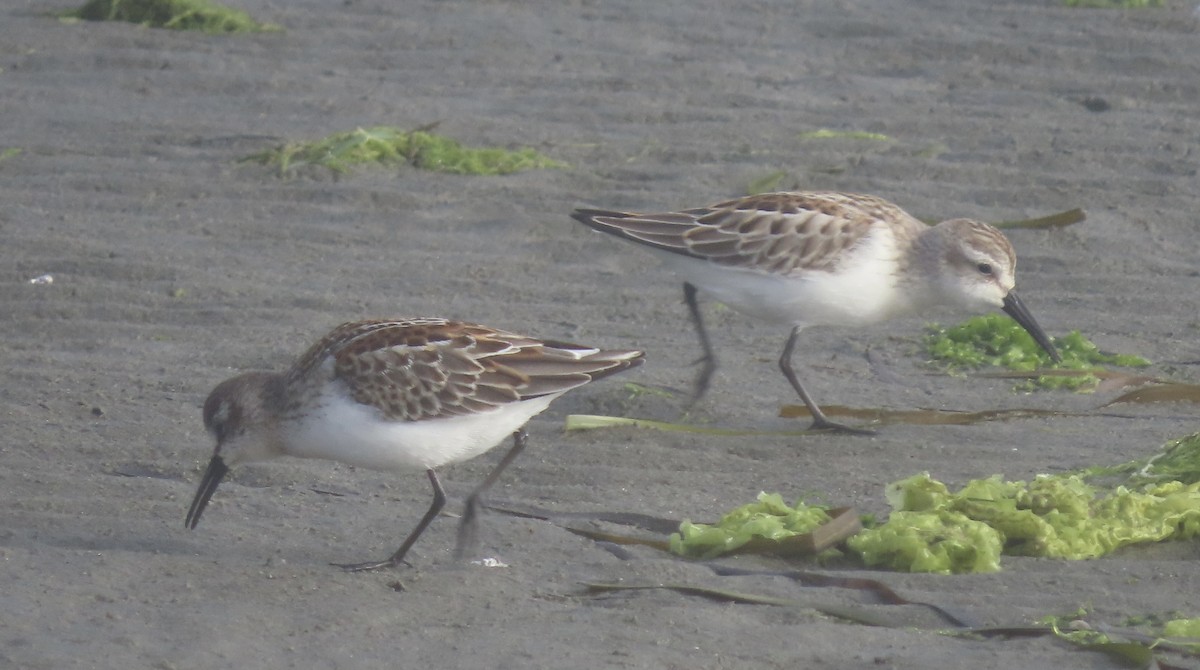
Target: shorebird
{"type": "Point", "coordinates": [823, 258]}
{"type": "Point", "coordinates": [399, 395]}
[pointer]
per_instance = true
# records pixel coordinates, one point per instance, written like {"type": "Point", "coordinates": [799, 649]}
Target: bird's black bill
{"type": "Point", "coordinates": [208, 486]}
{"type": "Point", "coordinates": [1017, 310]}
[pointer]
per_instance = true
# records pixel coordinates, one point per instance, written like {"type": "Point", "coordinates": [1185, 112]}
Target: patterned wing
{"type": "Point", "coordinates": [415, 369]}
{"type": "Point", "coordinates": [557, 367]}
{"type": "Point", "coordinates": [776, 233]}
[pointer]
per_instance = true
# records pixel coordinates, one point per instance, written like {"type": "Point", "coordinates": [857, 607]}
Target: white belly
{"type": "Point", "coordinates": [349, 432]}
{"type": "Point", "coordinates": [863, 291]}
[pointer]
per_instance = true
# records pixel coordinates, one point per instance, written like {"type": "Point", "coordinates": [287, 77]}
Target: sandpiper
{"type": "Point", "coordinates": [399, 395]}
{"type": "Point", "coordinates": [824, 258]}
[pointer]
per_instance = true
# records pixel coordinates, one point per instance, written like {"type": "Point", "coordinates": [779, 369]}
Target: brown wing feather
{"type": "Point", "coordinates": [415, 369]}
{"type": "Point", "coordinates": [780, 233]}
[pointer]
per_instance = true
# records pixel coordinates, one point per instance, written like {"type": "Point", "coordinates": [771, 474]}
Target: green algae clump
{"type": "Point", "coordinates": [1179, 460]}
{"type": "Point", "coordinates": [995, 340]}
{"type": "Point", "coordinates": [769, 518]}
{"type": "Point", "coordinates": [202, 15]}
{"type": "Point", "coordinates": [1113, 4]}
{"type": "Point", "coordinates": [933, 530]}
{"type": "Point", "coordinates": [386, 145]}
{"type": "Point", "coordinates": [1182, 628]}
{"type": "Point", "coordinates": [942, 542]}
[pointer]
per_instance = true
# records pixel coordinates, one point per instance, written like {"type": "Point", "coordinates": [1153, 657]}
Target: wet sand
{"type": "Point", "coordinates": [176, 267]}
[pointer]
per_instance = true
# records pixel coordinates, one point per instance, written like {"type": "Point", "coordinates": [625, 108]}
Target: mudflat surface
{"type": "Point", "coordinates": [176, 267]}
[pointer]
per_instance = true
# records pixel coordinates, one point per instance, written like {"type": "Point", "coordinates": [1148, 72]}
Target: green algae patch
{"type": "Point", "coordinates": [202, 15]}
{"type": "Point", "coordinates": [767, 183]}
{"type": "Point", "coordinates": [998, 341]}
{"type": "Point", "coordinates": [388, 146]}
{"type": "Point", "coordinates": [925, 534]}
{"type": "Point", "coordinates": [934, 530]}
{"type": "Point", "coordinates": [827, 134]}
{"type": "Point", "coordinates": [1057, 220]}
{"type": "Point", "coordinates": [1183, 628]}
{"type": "Point", "coordinates": [1178, 461]}
{"type": "Point", "coordinates": [1113, 4]}
{"type": "Point", "coordinates": [942, 542]}
{"type": "Point", "coordinates": [1139, 641]}
{"type": "Point", "coordinates": [769, 518]}
{"type": "Point", "coordinates": [1073, 516]}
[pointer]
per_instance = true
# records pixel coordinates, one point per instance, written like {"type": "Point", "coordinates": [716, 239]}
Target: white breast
{"type": "Point", "coordinates": [340, 429]}
{"type": "Point", "coordinates": [863, 290]}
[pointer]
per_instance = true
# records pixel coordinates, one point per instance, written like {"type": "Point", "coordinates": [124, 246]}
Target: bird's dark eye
{"type": "Point", "coordinates": [984, 268]}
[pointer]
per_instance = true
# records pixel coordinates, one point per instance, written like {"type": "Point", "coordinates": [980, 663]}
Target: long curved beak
{"type": "Point", "coordinates": [208, 486]}
{"type": "Point", "coordinates": [1017, 310]}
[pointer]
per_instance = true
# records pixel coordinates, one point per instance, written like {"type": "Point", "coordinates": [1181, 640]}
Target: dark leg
{"type": "Point", "coordinates": [820, 422]}
{"type": "Point", "coordinates": [439, 501]}
{"type": "Point", "coordinates": [707, 360]}
{"type": "Point", "coordinates": [467, 526]}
